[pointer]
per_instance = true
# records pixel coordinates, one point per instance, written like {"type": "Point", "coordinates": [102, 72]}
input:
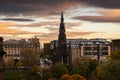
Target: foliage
{"type": "Point", "coordinates": [115, 55]}
{"type": "Point", "coordinates": [73, 77]}
{"type": "Point", "coordinates": [109, 71]}
{"type": "Point", "coordinates": [13, 64]}
{"type": "Point", "coordinates": [15, 61]}
{"type": "Point", "coordinates": [58, 70]}
{"type": "Point", "coordinates": [52, 79]}
{"type": "Point", "coordinates": [42, 52]}
{"type": "Point", "coordinates": [66, 77]}
{"type": "Point", "coordinates": [78, 77]}
{"type": "Point", "coordinates": [28, 57]}
{"type": "Point", "coordinates": [10, 63]}
{"type": "Point", "coordinates": [14, 75]}
{"type": "Point", "coordinates": [18, 64]}
{"type": "Point", "coordinates": [47, 75]}
{"type": "Point", "coordinates": [84, 67]}
{"type": "Point", "coordinates": [36, 68]}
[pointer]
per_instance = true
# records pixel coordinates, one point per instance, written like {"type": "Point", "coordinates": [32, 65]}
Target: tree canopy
{"type": "Point", "coordinates": [111, 69]}
{"type": "Point", "coordinates": [28, 57]}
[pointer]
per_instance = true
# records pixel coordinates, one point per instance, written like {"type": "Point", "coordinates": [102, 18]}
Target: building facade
{"type": "Point", "coordinates": [35, 44]}
{"type": "Point", "coordinates": [97, 48]}
{"type": "Point", "coordinates": [115, 45]}
{"type": "Point", "coordinates": [13, 48]}
{"type": "Point", "coordinates": [47, 50]}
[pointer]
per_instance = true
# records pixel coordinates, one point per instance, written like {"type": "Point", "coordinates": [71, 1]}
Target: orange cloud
{"type": "Point", "coordinates": [4, 29]}
{"type": "Point", "coordinates": [6, 24]}
{"type": "Point", "coordinates": [110, 12]}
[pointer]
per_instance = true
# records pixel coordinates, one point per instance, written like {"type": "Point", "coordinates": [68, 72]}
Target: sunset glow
{"type": "Point", "coordinates": [30, 18]}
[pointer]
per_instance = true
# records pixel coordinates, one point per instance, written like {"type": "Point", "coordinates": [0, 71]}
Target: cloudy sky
{"type": "Point", "coordinates": [41, 18]}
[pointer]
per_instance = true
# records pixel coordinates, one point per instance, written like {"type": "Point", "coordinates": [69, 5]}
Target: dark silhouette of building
{"type": "Point", "coordinates": [62, 54]}
{"type": "Point", "coordinates": [116, 45]}
{"type": "Point", "coordinates": [1, 58]}
{"type": "Point", "coordinates": [47, 50]}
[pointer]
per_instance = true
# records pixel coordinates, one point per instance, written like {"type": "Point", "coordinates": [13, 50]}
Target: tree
{"type": "Point", "coordinates": [18, 64]}
{"type": "Point", "coordinates": [66, 77]}
{"type": "Point", "coordinates": [28, 57]}
{"type": "Point", "coordinates": [78, 77]}
{"type": "Point", "coordinates": [15, 63]}
{"type": "Point", "coordinates": [10, 63]}
{"type": "Point", "coordinates": [73, 77]}
{"type": "Point", "coordinates": [52, 79]}
{"type": "Point", "coordinates": [58, 70]}
{"type": "Point", "coordinates": [84, 67]}
{"type": "Point", "coordinates": [109, 71]}
{"type": "Point", "coordinates": [115, 55]}
{"type": "Point", "coordinates": [36, 68]}
{"type": "Point", "coordinates": [48, 75]}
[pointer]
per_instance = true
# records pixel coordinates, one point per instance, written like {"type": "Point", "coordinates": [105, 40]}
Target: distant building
{"type": "Point", "coordinates": [115, 45]}
{"type": "Point", "coordinates": [96, 49]}
{"type": "Point", "coordinates": [47, 50]}
{"type": "Point", "coordinates": [35, 44]}
{"type": "Point", "coordinates": [93, 48]}
{"type": "Point", "coordinates": [13, 48]}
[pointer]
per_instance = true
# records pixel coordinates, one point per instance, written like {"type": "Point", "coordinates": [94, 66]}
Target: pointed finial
{"type": "Point", "coordinates": [62, 19]}
{"type": "Point", "coordinates": [61, 14]}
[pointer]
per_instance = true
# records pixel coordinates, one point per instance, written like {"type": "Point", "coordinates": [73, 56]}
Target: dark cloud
{"type": "Point", "coordinates": [101, 3]}
{"type": "Point", "coordinates": [32, 1]}
{"type": "Point", "coordinates": [17, 19]}
{"type": "Point", "coordinates": [28, 7]}
{"type": "Point", "coordinates": [99, 18]}
{"type": "Point", "coordinates": [49, 7]}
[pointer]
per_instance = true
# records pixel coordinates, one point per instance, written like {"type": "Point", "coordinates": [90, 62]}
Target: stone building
{"type": "Point", "coordinates": [13, 48]}
{"type": "Point", "coordinates": [47, 50]}
{"type": "Point", "coordinates": [97, 48]}
{"type": "Point", "coordinates": [115, 45]}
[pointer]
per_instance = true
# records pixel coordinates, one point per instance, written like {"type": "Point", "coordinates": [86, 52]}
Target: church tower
{"type": "Point", "coordinates": [62, 52]}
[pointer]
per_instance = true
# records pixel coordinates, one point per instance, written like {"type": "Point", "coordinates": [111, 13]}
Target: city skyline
{"type": "Point", "coordinates": [83, 19]}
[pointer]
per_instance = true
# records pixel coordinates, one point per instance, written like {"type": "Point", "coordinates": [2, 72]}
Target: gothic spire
{"type": "Point", "coordinates": [62, 35]}
{"type": "Point", "coordinates": [62, 54]}
{"type": "Point", "coordinates": [62, 18]}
